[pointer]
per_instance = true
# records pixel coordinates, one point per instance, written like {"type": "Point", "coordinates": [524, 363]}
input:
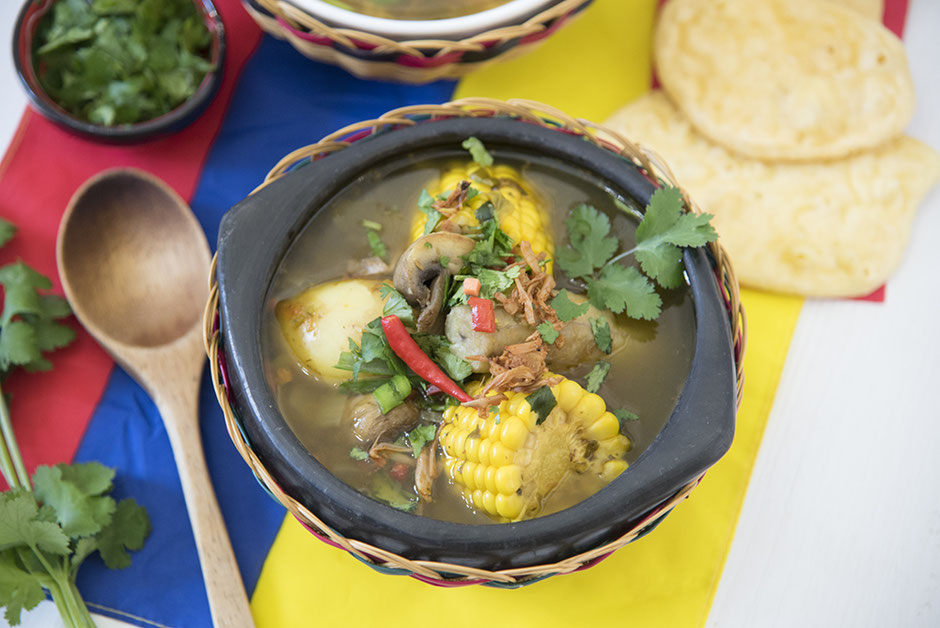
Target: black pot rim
{"type": "Point", "coordinates": [253, 238]}
{"type": "Point", "coordinates": [172, 121]}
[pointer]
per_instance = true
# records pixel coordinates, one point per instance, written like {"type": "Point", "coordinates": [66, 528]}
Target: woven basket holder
{"type": "Point", "coordinates": [447, 574]}
{"type": "Point", "coordinates": [372, 56]}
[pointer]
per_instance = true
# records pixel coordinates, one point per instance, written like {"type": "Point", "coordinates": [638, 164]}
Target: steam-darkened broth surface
{"type": "Point", "coordinates": [417, 9]}
{"type": "Point", "coordinates": [645, 377]}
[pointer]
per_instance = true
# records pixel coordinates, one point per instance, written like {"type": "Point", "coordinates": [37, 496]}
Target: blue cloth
{"type": "Point", "coordinates": [283, 101]}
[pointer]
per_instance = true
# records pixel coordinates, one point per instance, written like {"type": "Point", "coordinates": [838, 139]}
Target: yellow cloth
{"type": "Point", "coordinates": [668, 578]}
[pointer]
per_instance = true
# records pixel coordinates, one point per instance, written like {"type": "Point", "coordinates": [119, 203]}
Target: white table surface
{"type": "Point", "coordinates": [841, 523]}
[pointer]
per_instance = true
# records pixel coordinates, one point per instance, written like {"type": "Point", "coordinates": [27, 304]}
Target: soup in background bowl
{"type": "Point", "coordinates": [581, 444]}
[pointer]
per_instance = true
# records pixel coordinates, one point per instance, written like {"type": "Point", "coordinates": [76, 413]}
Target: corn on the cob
{"type": "Point", "coordinates": [506, 464]}
{"type": "Point", "coordinates": [517, 208]}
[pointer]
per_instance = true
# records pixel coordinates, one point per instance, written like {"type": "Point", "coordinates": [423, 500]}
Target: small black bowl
{"type": "Point", "coordinates": [253, 239]}
{"type": "Point", "coordinates": [175, 120]}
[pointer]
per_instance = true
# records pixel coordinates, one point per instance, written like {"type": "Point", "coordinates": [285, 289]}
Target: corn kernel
{"type": "Point", "coordinates": [509, 479]}
{"type": "Point", "coordinates": [477, 497]}
{"type": "Point", "coordinates": [530, 419]}
{"type": "Point", "coordinates": [467, 473]}
{"type": "Point", "coordinates": [500, 455]}
{"type": "Point", "coordinates": [613, 468]}
{"type": "Point", "coordinates": [605, 427]}
{"type": "Point", "coordinates": [479, 476]}
{"type": "Point", "coordinates": [490, 479]}
{"type": "Point", "coordinates": [508, 506]}
{"type": "Point", "coordinates": [460, 440]}
{"type": "Point", "coordinates": [588, 409]}
{"type": "Point", "coordinates": [483, 452]}
{"type": "Point", "coordinates": [568, 394]}
{"type": "Point", "coordinates": [489, 502]}
{"type": "Point", "coordinates": [514, 433]}
{"type": "Point", "coordinates": [472, 449]}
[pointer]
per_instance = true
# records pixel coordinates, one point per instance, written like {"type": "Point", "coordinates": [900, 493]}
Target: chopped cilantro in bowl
{"type": "Point", "coordinates": [120, 70]}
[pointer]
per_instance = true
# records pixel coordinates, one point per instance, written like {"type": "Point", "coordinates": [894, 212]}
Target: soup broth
{"type": "Point", "coordinates": [417, 9]}
{"type": "Point", "coordinates": [645, 378]}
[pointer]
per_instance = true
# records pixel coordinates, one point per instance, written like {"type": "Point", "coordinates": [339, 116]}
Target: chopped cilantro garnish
{"type": "Point", "coordinates": [396, 304]}
{"type": "Point", "coordinates": [601, 330]}
{"type": "Point", "coordinates": [597, 376]}
{"type": "Point", "coordinates": [385, 489]}
{"type": "Point", "coordinates": [375, 243]}
{"type": "Point", "coordinates": [478, 151]}
{"type": "Point", "coordinates": [493, 281]}
{"type": "Point", "coordinates": [485, 212]}
{"type": "Point", "coordinates": [625, 415]}
{"type": "Point", "coordinates": [548, 333]}
{"type": "Point", "coordinates": [567, 309]}
{"type": "Point", "coordinates": [358, 453]}
{"type": "Point", "coordinates": [438, 349]}
{"type": "Point", "coordinates": [421, 436]}
{"type": "Point", "coordinates": [426, 205]}
{"type": "Point", "coordinates": [371, 224]}
{"type": "Point", "coordinates": [445, 260]}
{"type": "Point", "coordinates": [542, 402]}
{"type": "Point", "coordinates": [622, 288]}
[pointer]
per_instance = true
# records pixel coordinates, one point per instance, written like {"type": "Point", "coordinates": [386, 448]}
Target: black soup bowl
{"type": "Point", "coordinates": [256, 234]}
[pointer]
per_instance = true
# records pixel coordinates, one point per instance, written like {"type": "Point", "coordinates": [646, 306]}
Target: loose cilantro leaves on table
{"type": "Point", "coordinates": [660, 236]}
{"type": "Point", "coordinates": [597, 376]}
{"type": "Point", "coordinates": [542, 402]}
{"type": "Point", "coordinates": [549, 334]}
{"type": "Point", "coordinates": [478, 151]}
{"type": "Point", "coordinates": [116, 61]}
{"type": "Point", "coordinates": [601, 330]}
{"type": "Point", "coordinates": [567, 309]}
{"type": "Point", "coordinates": [42, 546]}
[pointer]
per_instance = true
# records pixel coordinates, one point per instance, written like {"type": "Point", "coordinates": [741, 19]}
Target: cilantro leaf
{"type": "Point", "coordinates": [549, 334]}
{"type": "Point", "coordinates": [597, 376]}
{"type": "Point", "coordinates": [395, 303]}
{"type": "Point", "coordinates": [601, 330]}
{"type": "Point", "coordinates": [589, 245]}
{"type": "Point", "coordinates": [493, 281]}
{"type": "Point", "coordinates": [19, 525]}
{"type": "Point", "coordinates": [624, 415]}
{"type": "Point", "coordinates": [438, 349]}
{"type": "Point", "coordinates": [426, 205]}
{"type": "Point", "coordinates": [128, 529]}
{"type": "Point", "coordinates": [75, 496]}
{"type": "Point", "coordinates": [665, 228]}
{"type": "Point", "coordinates": [358, 453]}
{"type": "Point", "coordinates": [376, 245]}
{"type": "Point", "coordinates": [478, 151]}
{"type": "Point", "coordinates": [18, 345]}
{"type": "Point", "coordinates": [421, 436]}
{"type": "Point", "coordinates": [387, 490]}
{"type": "Point", "coordinates": [567, 309]}
{"type": "Point", "coordinates": [622, 288]}
{"type": "Point", "coordinates": [19, 589]}
{"type": "Point", "coordinates": [542, 402]}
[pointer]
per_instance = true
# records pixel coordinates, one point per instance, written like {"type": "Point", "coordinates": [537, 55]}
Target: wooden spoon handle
{"type": "Point", "coordinates": [228, 602]}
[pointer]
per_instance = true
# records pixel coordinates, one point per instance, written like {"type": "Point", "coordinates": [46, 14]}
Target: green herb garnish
{"type": "Point", "coordinates": [375, 243]}
{"type": "Point", "coordinates": [396, 304]}
{"type": "Point", "coordinates": [597, 376]}
{"type": "Point", "coordinates": [549, 334]}
{"type": "Point", "coordinates": [385, 489]}
{"type": "Point", "coordinates": [542, 402]}
{"type": "Point", "coordinates": [358, 453]}
{"type": "Point", "coordinates": [421, 436]}
{"type": "Point", "coordinates": [601, 329]}
{"type": "Point", "coordinates": [665, 228]}
{"type": "Point", "coordinates": [121, 61]}
{"type": "Point", "coordinates": [567, 309]}
{"type": "Point", "coordinates": [426, 205]}
{"type": "Point", "coordinates": [625, 415]}
{"type": "Point", "coordinates": [478, 151]}
{"type": "Point", "coordinates": [438, 349]}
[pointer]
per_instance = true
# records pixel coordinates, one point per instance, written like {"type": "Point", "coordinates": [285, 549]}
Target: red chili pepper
{"type": "Point", "coordinates": [482, 315]}
{"type": "Point", "coordinates": [417, 360]}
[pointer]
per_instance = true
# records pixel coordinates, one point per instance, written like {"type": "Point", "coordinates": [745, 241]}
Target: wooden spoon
{"type": "Point", "coordinates": [134, 264]}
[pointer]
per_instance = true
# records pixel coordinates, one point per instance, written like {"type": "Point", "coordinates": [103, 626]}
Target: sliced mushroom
{"type": "Point", "coordinates": [370, 425]}
{"type": "Point", "coordinates": [421, 276]}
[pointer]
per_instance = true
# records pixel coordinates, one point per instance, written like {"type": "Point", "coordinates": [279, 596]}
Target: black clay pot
{"type": "Point", "coordinates": [256, 234]}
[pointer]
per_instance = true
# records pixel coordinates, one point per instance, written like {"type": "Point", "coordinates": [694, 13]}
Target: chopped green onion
{"type": "Point", "coordinates": [371, 224]}
{"type": "Point", "coordinates": [392, 393]}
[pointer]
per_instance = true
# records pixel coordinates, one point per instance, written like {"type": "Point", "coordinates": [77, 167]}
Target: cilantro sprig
{"type": "Point", "coordinates": [660, 237]}
{"type": "Point", "coordinates": [51, 523]}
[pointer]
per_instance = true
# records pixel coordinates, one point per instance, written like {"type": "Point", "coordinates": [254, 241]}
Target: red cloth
{"type": "Point", "coordinates": [43, 167]}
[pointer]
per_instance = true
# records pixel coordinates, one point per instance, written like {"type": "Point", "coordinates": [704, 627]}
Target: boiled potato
{"type": "Point", "coordinates": [318, 322]}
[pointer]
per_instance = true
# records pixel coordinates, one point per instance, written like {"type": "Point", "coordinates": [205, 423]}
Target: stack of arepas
{"type": "Point", "coordinates": [784, 118]}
